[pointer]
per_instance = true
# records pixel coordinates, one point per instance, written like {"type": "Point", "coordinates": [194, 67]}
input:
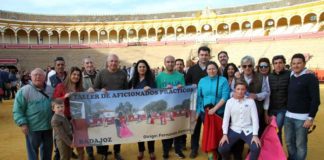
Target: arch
{"type": "Point", "coordinates": [206, 28]}
{"type": "Point", "coordinates": [113, 36]}
{"type": "Point", "coordinates": [74, 39]}
{"type": "Point", "coordinates": [64, 37]}
{"type": "Point", "coordinates": [103, 36]}
{"type": "Point", "coordinates": [310, 18]}
{"type": "Point", "coordinates": [55, 37]}
{"type": "Point", "coordinates": [246, 25]}
{"type": "Point", "coordinates": [122, 36]}
{"type": "Point", "coordinates": [94, 36]}
{"type": "Point", "coordinates": [222, 28]}
{"type": "Point", "coordinates": [22, 37]}
{"type": "Point", "coordinates": [9, 36]}
{"type": "Point", "coordinates": [269, 23]}
{"type": "Point", "coordinates": [295, 20]}
{"type": "Point", "coordinates": [257, 24]}
{"type": "Point", "coordinates": [33, 37]}
{"type": "Point", "coordinates": [282, 22]}
{"type": "Point", "coordinates": [132, 35]}
{"type": "Point", "coordinates": [152, 34]}
{"type": "Point", "coordinates": [322, 17]}
{"type": "Point", "coordinates": [170, 31]}
{"type": "Point", "coordinates": [43, 39]}
{"type": "Point", "coordinates": [180, 31]}
{"type": "Point", "coordinates": [160, 34]}
{"type": "Point", "coordinates": [191, 29]}
{"type": "Point", "coordinates": [235, 26]}
{"type": "Point", "coordinates": [142, 35]}
{"type": "Point", "coordinates": [84, 37]}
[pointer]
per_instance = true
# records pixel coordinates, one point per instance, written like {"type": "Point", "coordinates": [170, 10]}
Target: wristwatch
{"type": "Point", "coordinates": [310, 118]}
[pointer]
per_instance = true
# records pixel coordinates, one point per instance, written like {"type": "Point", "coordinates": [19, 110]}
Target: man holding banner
{"type": "Point", "coordinates": [170, 79]}
{"type": "Point", "coordinates": [108, 79]}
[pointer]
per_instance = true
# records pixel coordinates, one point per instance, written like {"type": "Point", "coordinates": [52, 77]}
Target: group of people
{"type": "Point", "coordinates": [244, 100]}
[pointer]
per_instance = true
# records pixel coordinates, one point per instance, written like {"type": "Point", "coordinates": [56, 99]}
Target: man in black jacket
{"type": "Point", "coordinates": [194, 74]}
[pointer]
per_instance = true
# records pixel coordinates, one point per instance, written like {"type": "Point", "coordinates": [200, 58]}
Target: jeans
{"type": "Point", "coordinates": [167, 143]}
{"type": "Point", "coordinates": [39, 141]}
{"type": "Point", "coordinates": [150, 145]}
{"type": "Point", "coordinates": [296, 139]}
{"type": "Point", "coordinates": [280, 116]}
{"type": "Point", "coordinates": [195, 137]}
{"type": "Point", "coordinates": [233, 137]}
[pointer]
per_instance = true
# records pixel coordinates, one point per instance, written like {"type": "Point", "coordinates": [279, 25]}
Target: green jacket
{"type": "Point", "coordinates": [32, 108]}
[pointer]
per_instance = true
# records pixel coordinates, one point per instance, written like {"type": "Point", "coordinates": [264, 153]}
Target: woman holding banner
{"type": "Point", "coordinates": [143, 78]}
{"type": "Point", "coordinates": [213, 91]}
{"type": "Point", "coordinates": [73, 83]}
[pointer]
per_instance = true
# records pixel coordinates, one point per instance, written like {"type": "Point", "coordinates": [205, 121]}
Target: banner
{"type": "Point", "coordinates": [129, 116]}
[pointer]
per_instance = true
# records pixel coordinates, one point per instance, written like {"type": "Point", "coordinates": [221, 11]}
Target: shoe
{"type": "Point", "coordinates": [140, 156]}
{"type": "Point", "coordinates": [91, 157]}
{"type": "Point", "coordinates": [118, 157]}
{"type": "Point", "coordinates": [165, 156]}
{"type": "Point", "coordinates": [109, 153]}
{"type": "Point", "coordinates": [152, 157]}
{"type": "Point", "coordinates": [193, 154]}
{"type": "Point", "coordinates": [181, 155]}
{"type": "Point", "coordinates": [74, 156]}
{"type": "Point", "coordinates": [103, 157]}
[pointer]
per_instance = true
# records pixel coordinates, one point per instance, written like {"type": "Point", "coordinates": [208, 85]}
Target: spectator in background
{"type": "Point", "coordinates": [223, 61]}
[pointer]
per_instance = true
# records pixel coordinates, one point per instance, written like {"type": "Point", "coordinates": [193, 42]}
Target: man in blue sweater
{"type": "Point", "coordinates": [302, 106]}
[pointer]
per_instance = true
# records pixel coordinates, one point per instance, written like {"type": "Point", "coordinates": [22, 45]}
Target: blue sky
{"type": "Point", "coordinates": [108, 7]}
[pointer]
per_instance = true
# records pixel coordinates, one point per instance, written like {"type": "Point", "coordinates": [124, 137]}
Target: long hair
{"type": "Point", "coordinates": [266, 60]}
{"type": "Point", "coordinates": [149, 78]}
{"type": "Point", "coordinates": [225, 74]}
{"type": "Point", "coordinates": [68, 83]}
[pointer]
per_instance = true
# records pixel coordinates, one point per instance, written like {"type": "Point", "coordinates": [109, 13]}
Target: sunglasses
{"type": "Point", "coordinates": [264, 66]}
{"type": "Point", "coordinates": [244, 66]}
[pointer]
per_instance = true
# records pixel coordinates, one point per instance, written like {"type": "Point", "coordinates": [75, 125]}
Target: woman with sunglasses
{"type": "Point", "coordinates": [258, 91]}
{"type": "Point", "coordinates": [143, 78]}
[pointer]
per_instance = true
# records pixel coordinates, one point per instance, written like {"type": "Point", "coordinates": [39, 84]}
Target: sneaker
{"type": "Point", "coordinates": [165, 156]}
{"type": "Point", "coordinates": [118, 157]}
{"type": "Point", "coordinates": [74, 156]}
{"type": "Point", "coordinates": [91, 157]}
{"type": "Point", "coordinates": [193, 154]}
{"type": "Point", "coordinates": [181, 155]}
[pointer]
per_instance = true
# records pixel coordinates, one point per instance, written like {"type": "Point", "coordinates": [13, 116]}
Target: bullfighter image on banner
{"type": "Point", "coordinates": [129, 116]}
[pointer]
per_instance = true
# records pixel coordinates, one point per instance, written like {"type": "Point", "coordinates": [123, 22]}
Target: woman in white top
{"type": "Point", "coordinates": [240, 122]}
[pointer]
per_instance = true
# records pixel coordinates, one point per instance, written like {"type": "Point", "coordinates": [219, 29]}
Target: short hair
{"type": "Point", "coordinates": [298, 55]}
{"type": "Point", "coordinates": [248, 59]}
{"type": "Point", "coordinates": [179, 59]}
{"type": "Point", "coordinates": [240, 82]}
{"type": "Point", "coordinates": [39, 70]}
{"type": "Point", "coordinates": [204, 48]}
{"type": "Point", "coordinates": [58, 59]}
{"type": "Point", "coordinates": [57, 101]}
{"type": "Point", "coordinates": [279, 57]}
{"type": "Point", "coordinates": [222, 52]}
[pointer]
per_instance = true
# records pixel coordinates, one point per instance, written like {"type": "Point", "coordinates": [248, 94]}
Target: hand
{"type": "Point", "coordinates": [169, 86]}
{"type": "Point", "coordinates": [104, 90]}
{"type": "Point", "coordinates": [146, 88]}
{"type": "Point", "coordinates": [237, 74]}
{"type": "Point", "coordinates": [256, 140]}
{"type": "Point", "coordinates": [252, 96]}
{"type": "Point", "coordinates": [179, 86]}
{"type": "Point", "coordinates": [24, 129]}
{"type": "Point", "coordinates": [212, 111]}
{"type": "Point", "coordinates": [67, 95]}
{"type": "Point", "coordinates": [91, 90]}
{"type": "Point", "coordinates": [308, 123]}
{"type": "Point", "coordinates": [223, 140]}
{"type": "Point", "coordinates": [267, 119]}
{"type": "Point", "coordinates": [197, 116]}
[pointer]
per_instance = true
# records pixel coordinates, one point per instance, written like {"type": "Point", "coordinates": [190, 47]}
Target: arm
{"type": "Point", "coordinates": [97, 82]}
{"type": "Point", "coordinates": [58, 129]}
{"type": "Point", "coordinates": [313, 91]}
{"type": "Point", "coordinates": [225, 94]}
{"type": "Point", "coordinates": [264, 91]}
{"type": "Point", "coordinates": [200, 99]}
{"type": "Point", "coordinates": [226, 118]}
{"type": "Point", "coordinates": [19, 110]}
{"type": "Point", "coordinates": [255, 119]}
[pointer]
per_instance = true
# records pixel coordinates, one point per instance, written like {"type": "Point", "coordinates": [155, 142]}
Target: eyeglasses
{"type": "Point", "coordinates": [263, 66]}
{"type": "Point", "coordinates": [244, 66]}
